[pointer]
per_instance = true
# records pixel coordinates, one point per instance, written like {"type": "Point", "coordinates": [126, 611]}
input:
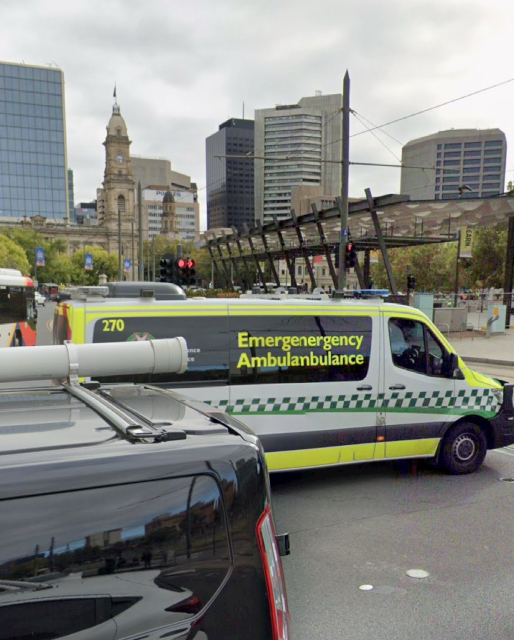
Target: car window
{"type": "Point", "coordinates": [407, 342]}
{"type": "Point", "coordinates": [435, 355]}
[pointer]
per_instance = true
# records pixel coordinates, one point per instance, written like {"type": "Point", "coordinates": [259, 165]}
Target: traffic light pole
{"type": "Point", "coordinates": [345, 165]}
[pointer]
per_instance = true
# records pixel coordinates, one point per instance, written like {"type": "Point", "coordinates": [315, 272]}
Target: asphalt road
{"type": "Point", "coordinates": [369, 524]}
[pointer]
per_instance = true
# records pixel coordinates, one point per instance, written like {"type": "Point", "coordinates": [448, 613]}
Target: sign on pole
{"type": "Point", "coordinates": [466, 242]}
{"type": "Point", "coordinates": [40, 256]}
{"type": "Point", "coordinates": [88, 261]}
{"type": "Point", "coordinates": [127, 262]}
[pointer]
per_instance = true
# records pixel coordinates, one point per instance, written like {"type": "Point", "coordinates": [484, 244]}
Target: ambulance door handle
{"type": "Point", "coordinates": [365, 387]}
{"type": "Point", "coordinates": [397, 386]}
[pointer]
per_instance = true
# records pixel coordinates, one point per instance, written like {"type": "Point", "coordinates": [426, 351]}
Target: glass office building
{"type": "Point", "coordinates": [33, 163]}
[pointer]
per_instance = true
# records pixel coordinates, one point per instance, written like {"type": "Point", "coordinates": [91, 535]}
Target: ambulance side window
{"type": "Point", "coordinates": [206, 337]}
{"type": "Point", "coordinates": [414, 347]}
{"type": "Point", "coordinates": [407, 344]}
{"type": "Point", "coordinates": [435, 355]}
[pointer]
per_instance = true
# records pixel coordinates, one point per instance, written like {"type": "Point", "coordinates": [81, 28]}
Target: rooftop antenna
{"type": "Point", "coordinates": [243, 109]}
{"type": "Point", "coordinates": [318, 93]}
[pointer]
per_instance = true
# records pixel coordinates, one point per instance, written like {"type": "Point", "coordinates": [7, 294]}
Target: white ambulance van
{"type": "Point", "coordinates": [321, 382]}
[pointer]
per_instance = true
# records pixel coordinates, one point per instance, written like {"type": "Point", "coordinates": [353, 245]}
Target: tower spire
{"type": "Point", "coordinates": [115, 107]}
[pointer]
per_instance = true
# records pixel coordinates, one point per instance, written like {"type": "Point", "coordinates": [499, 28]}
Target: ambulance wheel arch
{"type": "Point", "coordinates": [464, 445]}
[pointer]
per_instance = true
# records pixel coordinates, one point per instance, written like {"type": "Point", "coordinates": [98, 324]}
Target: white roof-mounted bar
{"type": "Point", "coordinates": [100, 359]}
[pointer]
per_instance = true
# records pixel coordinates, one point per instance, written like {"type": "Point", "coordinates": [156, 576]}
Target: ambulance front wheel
{"type": "Point", "coordinates": [463, 449]}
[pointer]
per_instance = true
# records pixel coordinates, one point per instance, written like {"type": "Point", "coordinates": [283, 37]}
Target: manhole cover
{"type": "Point", "coordinates": [366, 587]}
{"type": "Point", "coordinates": [417, 573]}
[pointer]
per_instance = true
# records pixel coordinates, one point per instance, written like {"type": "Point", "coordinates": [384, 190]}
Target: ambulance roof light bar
{"type": "Point", "coordinates": [98, 359]}
{"type": "Point", "coordinates": [361, 293]}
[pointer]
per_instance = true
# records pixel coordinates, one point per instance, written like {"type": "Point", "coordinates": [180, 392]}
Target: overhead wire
{"type": "Point", "coordinates": [417, 113]}
{"type": "Point", "coordinates": [356, 115]}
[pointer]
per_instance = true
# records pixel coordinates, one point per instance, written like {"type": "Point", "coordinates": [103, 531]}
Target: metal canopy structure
{"type": "Point", "coordinates": [381, 223]}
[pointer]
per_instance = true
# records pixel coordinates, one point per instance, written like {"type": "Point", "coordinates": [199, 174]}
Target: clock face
{"type": "Point", "coordinates": [119, 157]}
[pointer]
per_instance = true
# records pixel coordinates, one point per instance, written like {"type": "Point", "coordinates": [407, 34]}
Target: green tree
{"type": "Point", "coordinates": [487, 266]}
{"type": "Point", "coordinates": [103, 262]}
{"type": "Point", "coordinates": [12, 255]}
{"type": "Point", "coordinates": [432, 265]}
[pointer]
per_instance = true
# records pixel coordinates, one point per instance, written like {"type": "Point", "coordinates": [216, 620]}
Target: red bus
{"type": "Point", "coordinates": [17, 310]}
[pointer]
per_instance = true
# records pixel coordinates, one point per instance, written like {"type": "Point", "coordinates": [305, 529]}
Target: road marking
{"type": "Point", "coordinates": [50, 324]}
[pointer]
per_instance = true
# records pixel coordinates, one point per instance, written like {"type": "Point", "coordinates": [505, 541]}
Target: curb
{"type": "Point", "coordinates": [500, 363]}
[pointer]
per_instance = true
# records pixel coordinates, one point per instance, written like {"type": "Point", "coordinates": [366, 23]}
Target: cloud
{"type": "Point", "coordinates": [183, 68]}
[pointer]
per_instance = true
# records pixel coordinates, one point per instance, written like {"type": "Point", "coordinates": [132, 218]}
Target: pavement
{"type": "Point", "coordinates": [498, 349]}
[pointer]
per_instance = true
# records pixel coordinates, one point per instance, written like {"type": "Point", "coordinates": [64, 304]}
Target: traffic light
{"type": "Point", "coordinates": [191, 271]}
{"type": "Point", "coordinates": [181, 264]}
{"type": "Point", "coordinates": [167, 268]}
{"type": "Point", "coordinates": [186, 272]}
{"type": "Point", "coordinates": [351, 255]}
{"type": "Point", "coordinates": [411, 282]}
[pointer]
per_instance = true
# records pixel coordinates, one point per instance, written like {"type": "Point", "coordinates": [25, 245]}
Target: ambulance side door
{"type": "Point", "coordinates": [310, 404]}
{"type": "Point", "coordinates": [416, 397]}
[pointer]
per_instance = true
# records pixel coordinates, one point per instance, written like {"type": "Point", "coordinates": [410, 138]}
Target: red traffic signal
{"type": "Point", "coordinates": [182, 263]}
{"type": "Point", "coordinates": [190, 263]}
{"type": "Point", "coordinates": [351, 255]}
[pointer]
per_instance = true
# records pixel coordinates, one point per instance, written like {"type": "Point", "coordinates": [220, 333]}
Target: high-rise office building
{"type": "Point", "coordinates": [459, 163]}
{"type": "Point", "coordinates": [33, 163]}
{"type": "Point", "coordinates": [301, 145]}
{"type": "Point", "coordinates": [230, 181]}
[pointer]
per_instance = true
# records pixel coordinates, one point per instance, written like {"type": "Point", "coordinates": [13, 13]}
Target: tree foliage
{"type": "Point", "coordinates": [12, 255]}
{"type": "Point", "coordinates": [103, 263]}
{"type": "Point", "coordinates": [434, 265]}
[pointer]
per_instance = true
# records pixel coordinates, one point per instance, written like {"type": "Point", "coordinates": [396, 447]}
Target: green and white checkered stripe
{"type": "Point", "coordinates": [480, 400]}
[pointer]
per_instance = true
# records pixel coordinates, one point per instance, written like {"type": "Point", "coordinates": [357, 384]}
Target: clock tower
{"type": "Point", "coordinates": [118, 184]}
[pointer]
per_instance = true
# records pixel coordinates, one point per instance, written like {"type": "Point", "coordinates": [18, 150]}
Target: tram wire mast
{"type": "Point", "coordinates": [345, 165]}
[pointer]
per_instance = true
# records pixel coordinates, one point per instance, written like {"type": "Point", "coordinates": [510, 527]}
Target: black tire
{"type": "Point", "coordinates": [463, 449]}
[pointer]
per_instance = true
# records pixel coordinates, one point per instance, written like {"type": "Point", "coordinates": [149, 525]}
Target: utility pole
{"type": "Point", "coordinates": [141, 266]}
{"type": "Point", "coordinates": [120, 272]}
{"type": "Point", "coordinates": [345, 164]}
{"type": "Point", "coordinates": [133, 252]}
{"type": "Point", "coordinates": [153, 259]}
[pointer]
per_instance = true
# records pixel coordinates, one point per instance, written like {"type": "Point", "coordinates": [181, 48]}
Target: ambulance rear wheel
{"type": "Point", "coordinates": [464, 449]}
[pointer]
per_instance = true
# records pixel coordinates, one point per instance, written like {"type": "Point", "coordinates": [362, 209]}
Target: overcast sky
{"type": "Point", "coordinates": [183, 67]}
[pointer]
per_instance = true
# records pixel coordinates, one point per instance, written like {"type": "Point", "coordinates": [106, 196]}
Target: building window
{"type": "Point", "coordinates": [491, 160]}
{"type": "Point", "coordinates": [472, 161]}
{"type": "Point", "coordinates": [491, 152]}
{"type": "Point", "coordinates": [493, 143]}
{"type": "Point", "coordinates": [472, 152]}
{"type": "Point", "coordinates": [452, 145]}
{"type": "Point", "coordinates": [451, 163]}
{"type": "Point", "coordinates": [472, 145]}
{"type": "Point", "coordinates": [451, 179]}
{"type": "Point", "coordinates": [452, 154]}
{"type": "Point", "coordinates": [121, 204]}
{"type": "Point", "coordinates": [439, 147]}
